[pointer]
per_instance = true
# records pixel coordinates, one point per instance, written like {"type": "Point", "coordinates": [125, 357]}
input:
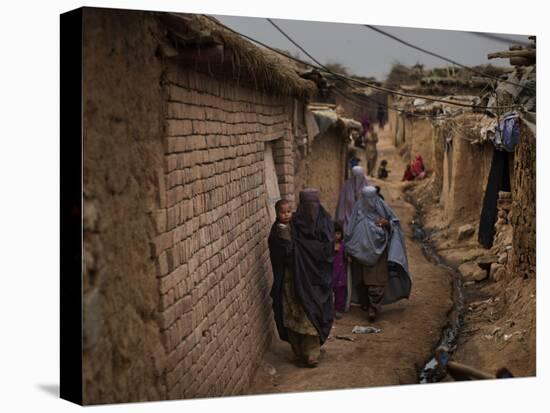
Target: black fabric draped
{"type": "Point", "coordinates": [499, 180]}
{"type": "Point", "coordinates": [280, 252]}
{"type": "Point", "coordinates": [313, 237]}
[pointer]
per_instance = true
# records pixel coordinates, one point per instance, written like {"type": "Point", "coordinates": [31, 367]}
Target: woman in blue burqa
{"type": "Point", "coordinates": [375, 241]}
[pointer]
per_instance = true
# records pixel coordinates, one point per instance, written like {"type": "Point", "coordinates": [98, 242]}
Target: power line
{"type": "Point", "coordinates": [325, 68]}
{"type": "Point", "coordinates": [373, 86]}
{"type": "Point", "coordinates": [501, 39]}
{"type": "Point", "coordinates": [483, 74]}
{"type": "Point", "coordinates": [357, 100]}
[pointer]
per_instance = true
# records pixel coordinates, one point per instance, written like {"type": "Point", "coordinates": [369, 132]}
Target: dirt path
{"type": "Point", "coordinates": [410, 328]}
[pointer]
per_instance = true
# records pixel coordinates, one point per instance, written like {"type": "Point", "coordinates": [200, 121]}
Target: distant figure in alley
{"type": "Point", "coordinates": [371, 150]}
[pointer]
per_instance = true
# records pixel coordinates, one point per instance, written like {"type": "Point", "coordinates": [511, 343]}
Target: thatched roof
{"type": "Point", "coordinates": [225, 53]}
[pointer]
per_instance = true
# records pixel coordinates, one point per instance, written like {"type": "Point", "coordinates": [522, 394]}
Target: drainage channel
{"type": "Point", "coordinates": [431, 373]}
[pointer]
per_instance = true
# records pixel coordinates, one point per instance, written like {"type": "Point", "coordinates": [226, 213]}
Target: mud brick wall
{"type": "Point", "coordinates": [123, 147]}
{"type": "Point", "coordinates": [421, 134]}
{"type": "Point", "coordinates": [524, 205]}
{"type": "Point", "coordinates": [439, 135]}
{"type": "Point", "coordinates": [465, 172]}
{"type": "Point", "coordinates": [324, 168]}
{"type": "Point", "coordinates": [212, 260]}
{"type": "Point", "coordinates": [284, 155]}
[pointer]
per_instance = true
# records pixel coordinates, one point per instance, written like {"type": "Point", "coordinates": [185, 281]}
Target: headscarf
{"type": "Point", "coordinates": [417, 166]}
{"type": "Point", "coordinates": [349, 195]}
{"type": "Point", "coordinates": [366, 241]}
{"type": "Point", "coordinates": [313, 238]}
{"type": "Point", "coordinates": [365, 123]}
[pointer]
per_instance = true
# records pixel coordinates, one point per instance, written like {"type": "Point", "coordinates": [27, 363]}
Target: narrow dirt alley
{"type": "Point", "coordinates": [410, 328]}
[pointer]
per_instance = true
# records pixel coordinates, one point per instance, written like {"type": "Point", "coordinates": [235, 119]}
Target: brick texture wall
{"type": "Point", "coordinates": [524, 205]}
{"type": "Point", "coordinates": [324, 168]}
{"type": "Point", "coordinates": [211, 255]}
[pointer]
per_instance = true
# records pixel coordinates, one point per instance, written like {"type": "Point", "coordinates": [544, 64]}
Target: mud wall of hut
{"type": "Point", "coordinates": [123, 148]}
{"type": "Point", "coordinates": [524, 205]}
{"type": "Point", "coordinates": [323, 168]}
{"type": "Point", "coordinates": [392, 122]}
{"type": "Point", "coordinates": [438, 157]}
{"type": "Point", "coordinates": [422, 142]}
{"type": "Point", "coordinates": [465, 172]}
{"type": "Point", "coordinates": [177, 272]}
{"type": "Point", "coordinates": [397, 125]}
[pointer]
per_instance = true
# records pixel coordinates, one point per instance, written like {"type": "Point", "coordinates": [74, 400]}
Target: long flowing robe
{"type": "Point", "coordinates": [281, 254]}
{"type": "Point", "coordinates": [313, 238]}
{"type": "Point", "coordinates": [417, 166]}
{"type": "Point", "coordinates": [366, 242]}
{"type": "Point", "coordinates": [340, 278]}
{"type": "Point", "coordinates": [348, 196]}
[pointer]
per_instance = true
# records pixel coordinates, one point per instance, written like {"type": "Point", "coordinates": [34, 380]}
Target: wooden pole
{"type": "Point", "coordinates": [528, 53]}
{"type": "Point", "coordinates": [465, 370]}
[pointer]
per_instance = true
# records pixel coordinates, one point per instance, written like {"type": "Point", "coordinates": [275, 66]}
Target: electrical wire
{"type": "Point", "coordinates": [331, 72]}
{"type": "Point", "coordinates": [483, 74]}
{"type": "Point", "coordinates": [357, 100]}
{"type": "Point", "coordinates": [357, 81]}
{"type": "Point", "coordinates": [374, 86]}
{"type": "Point", "coordinates": [501, 39]}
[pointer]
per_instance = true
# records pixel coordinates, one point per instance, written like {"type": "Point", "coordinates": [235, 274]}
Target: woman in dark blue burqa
{"type": "Point", "coordinates": [305, 296]}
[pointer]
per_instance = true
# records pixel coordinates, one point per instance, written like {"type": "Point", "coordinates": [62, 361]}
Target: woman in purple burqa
{"type": "Point", "coordinates": [349, 195]}
{"type": "Point", "coordinates": [339, 273]}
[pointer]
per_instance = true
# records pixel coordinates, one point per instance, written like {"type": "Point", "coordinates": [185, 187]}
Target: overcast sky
{"type": "Point", "coordinates": [367, 53]}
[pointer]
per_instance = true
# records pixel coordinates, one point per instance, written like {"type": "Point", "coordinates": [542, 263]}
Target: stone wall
{"type": "Point", "coordinates": [123, 147]}
{"type": "Point", "coordinates": [524, 205]}
{"type": "Point", "coordinates": [211, 254]}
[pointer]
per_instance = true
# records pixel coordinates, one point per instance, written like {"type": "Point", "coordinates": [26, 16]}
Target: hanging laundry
{"type": "Point", "coordinates": [507, 132]}
{"type": "Point", "coordinates": [488, 129]}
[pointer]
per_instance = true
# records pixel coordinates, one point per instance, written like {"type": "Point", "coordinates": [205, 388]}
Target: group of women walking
{"type": "Point", "coordinates": [359, 258]}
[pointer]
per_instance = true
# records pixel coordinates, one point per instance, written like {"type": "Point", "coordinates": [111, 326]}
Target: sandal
{"type": "Point", "coordinates": [312, 362]}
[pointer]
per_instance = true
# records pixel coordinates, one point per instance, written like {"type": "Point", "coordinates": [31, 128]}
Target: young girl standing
{"type": "Point", "coordinates": [339, 274]}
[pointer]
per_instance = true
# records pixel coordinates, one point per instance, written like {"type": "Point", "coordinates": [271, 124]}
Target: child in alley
{"type": "Point", "coordinates": [383, 170]}
{"type": "Point", "coordinates": [280, 250]}
{"type": "Point", "coordinates": [339, 272]}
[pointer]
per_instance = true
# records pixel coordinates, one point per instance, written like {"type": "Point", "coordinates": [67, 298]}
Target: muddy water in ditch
{"type": "Point", "coordinates": [431, 373]}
